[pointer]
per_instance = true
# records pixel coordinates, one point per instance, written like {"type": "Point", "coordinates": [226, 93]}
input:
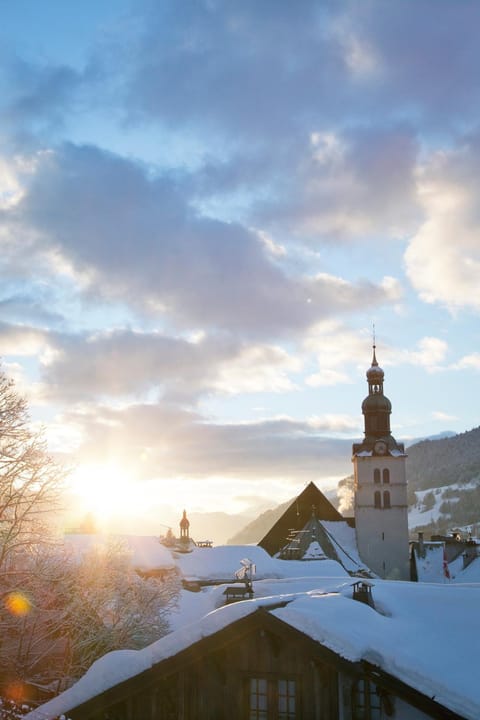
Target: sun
{"type": "Point", "coordinates": [103, 489]}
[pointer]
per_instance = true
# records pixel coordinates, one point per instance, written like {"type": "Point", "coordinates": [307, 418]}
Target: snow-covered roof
{"type": "Point", "coordinates": [397, 453]}
{"type": "Point", "coordinates": [220, 563]}
{"type": "Point", "coordinates": [147, 553]}
{"type": "Point", "coordinates": [430, 563]}
{"type": "Point", "coordinates": [419, 633]}
{"type": "Point", "coordinates": [344, 542]}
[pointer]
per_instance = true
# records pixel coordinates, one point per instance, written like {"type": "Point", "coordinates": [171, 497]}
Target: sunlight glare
{"type": "Point", "coordinates": [105, 490]}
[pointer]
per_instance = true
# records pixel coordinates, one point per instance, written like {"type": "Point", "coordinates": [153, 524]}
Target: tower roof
{"type": "Point", "coordinates": [376, 409]}
{"type": "Point", "coordinates": [375, 373]}
{"type": "Point", "coordinates": [184, 522]}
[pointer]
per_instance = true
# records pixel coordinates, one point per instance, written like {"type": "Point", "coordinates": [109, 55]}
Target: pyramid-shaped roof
{"type": "Point", "coordinates": [296, 517]}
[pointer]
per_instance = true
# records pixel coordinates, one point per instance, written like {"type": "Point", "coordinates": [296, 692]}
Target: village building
{"type": "Point", "coordinates": [311, 655]}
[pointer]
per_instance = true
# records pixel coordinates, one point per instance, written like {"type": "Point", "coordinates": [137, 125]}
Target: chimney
{"type": "Point", "coordinates": [362, 591]}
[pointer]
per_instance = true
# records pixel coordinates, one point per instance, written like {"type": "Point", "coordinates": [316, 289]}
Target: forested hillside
{"type": "Point", "coordinates": [435, 463]}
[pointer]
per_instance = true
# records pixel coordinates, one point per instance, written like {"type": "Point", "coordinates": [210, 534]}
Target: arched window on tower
{"type": "Point", "coordinates": [377, 499]}
{"type": "Point", "coordinates": [386, 499]}
{"type": "Point", "coordinates": [386, 475]}
{"type": "Point", "coordinates": [376, 475]}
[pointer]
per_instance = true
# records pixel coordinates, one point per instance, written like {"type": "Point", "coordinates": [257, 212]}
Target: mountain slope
{"type": "Point", "coordinates": [435, 463]}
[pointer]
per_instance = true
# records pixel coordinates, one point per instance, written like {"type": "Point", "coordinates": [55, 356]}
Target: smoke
{"type": "Point", "coordinates": [345, 495]}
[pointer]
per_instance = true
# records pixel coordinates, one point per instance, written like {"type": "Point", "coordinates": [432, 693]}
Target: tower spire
{"type": "Point", "coordinates": [374, 359]}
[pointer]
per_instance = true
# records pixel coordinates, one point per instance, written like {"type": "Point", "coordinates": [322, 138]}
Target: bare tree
{"type": "Point", "coordinates": [30, 485]}
{"type": "Point", "coordinates": [29, 479]}
{"type": "Point", "coordinates": [112, 607]}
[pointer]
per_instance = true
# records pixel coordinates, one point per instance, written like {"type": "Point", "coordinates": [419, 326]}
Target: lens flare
{"type": "Point", "coordinates": [16, 691]}
{"type": "Point", "coordinates": [17, 603]}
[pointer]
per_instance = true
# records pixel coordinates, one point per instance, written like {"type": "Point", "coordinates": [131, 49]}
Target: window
{"type": "Point", "coordinates": [377, 499]}
{"type": "Point", "coordinates": [386, 476]}
{"type": "Point", "coordinates": [272, 699]}
{"type": "Point", "coordinates": [366, 703]}
{"type": "Point", "coordinates": [386, 499]}
{"type": "Point", "coordinates": [376, 475]}
{"type": "Point", "coordinates": [258, 699]}
{"type": "Point", "coordinates": [286, 699]}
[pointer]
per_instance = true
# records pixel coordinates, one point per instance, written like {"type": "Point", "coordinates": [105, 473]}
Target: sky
{"type": "Point", "coordinates": [205, 207]}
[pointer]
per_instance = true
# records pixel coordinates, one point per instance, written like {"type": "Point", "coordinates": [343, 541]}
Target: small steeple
{"type": "Point", "coordinates": [184, 526]}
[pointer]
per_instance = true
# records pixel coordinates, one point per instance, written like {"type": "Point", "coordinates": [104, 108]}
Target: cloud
{"type": "Point", "coordinates": [471, 361]}
{"type": "Point", "coordinates": [127, 236]}
{"type": "Point", "coordinates": [161, 440]}
{"type": "Point", "coordinates": [22, 340]}
{"type": "Point", "coordinates": [439, 415]}
{"type": "Point", "coordinates": [238, 70]}
{"type": "Point", "coordinates": [443, 256]}
{"type": "Point", "coordinates": [431, 353]}
{"type": "Point", "coordinates": [234, 68]}
{"type": "Point", "coordinates": [124, 363]}
{"type": "Point", "coordinates": [427, 69]}
{"type": "Point", "coordinates": [333, 347]}
{"type": "Point", "coordinates": [347, 185]}
{"type": "Point", "coordinates": [37, 96]}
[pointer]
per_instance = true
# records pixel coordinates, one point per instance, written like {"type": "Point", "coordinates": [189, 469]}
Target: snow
{"type": "Point", "coordinates": [430, 567]}
{"type": "Point", "coordinates": [147, 553]}
{"type": "Point", "coordinates": [314, 552]}
{"type": "Point", "coordinates": [345, 544]}
{"type": "Point", "coordinates": [417, 517]}
{"type": "Point", "coordinates": [471, 574]}
{"type": "Point", "coordinates": [220, 563]}
{"type": "Point", "coordinates": [420, 633]}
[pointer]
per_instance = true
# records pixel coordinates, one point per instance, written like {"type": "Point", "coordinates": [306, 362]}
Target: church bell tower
{"type": "Point", "coordinates": [381, 508]}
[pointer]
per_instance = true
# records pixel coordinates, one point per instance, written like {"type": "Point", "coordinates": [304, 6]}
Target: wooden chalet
{"type": "Point", "coordinates": [257, 667]}
{"type": "Point", "coordinates": [297, 516]}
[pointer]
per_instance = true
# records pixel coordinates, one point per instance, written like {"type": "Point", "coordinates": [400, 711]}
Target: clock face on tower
{"type": "Point", "coordinates": [380, 447]}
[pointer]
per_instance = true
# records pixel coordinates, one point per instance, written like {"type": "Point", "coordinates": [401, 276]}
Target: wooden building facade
{"type": "Point", "coordinates": [259, 668]}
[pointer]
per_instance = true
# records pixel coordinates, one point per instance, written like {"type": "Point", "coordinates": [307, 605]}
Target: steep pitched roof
{"type": "Point", "coordinates": [297, 516]}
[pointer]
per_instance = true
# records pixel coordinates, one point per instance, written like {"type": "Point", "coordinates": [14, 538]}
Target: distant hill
{"type": "Point", "coordinates": [258, 528]}
{"type": "Point", "coordinates": [215, 526]}
{"type": "Point", "coordinates": [443, 474]}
